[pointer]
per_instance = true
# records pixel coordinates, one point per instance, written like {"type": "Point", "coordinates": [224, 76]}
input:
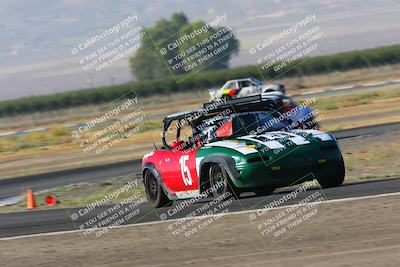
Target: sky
{"type": "Point", "coordinates": [37, 36]}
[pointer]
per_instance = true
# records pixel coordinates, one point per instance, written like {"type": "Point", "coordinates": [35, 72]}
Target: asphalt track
{"type": "Point", "coordinates": [34, 222]}
{"type": "Point", "coordinates": [15, 186]}
{"type": "Point", "coordinates": [23, 223]}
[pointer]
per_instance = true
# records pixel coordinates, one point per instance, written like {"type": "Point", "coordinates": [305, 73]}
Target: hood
{"type": "Point", "coordinates": [272, 87]}
{"type": "Point", "coordinates": [272, 141]}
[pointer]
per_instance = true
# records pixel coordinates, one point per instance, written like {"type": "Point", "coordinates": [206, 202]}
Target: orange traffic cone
{"type": "Point", "coordinates": [30, 200]}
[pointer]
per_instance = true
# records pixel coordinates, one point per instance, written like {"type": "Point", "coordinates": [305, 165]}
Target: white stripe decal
{"type": "Point", "coordinates": [296, 139]}
{"type": "Point", "coordinates": [239, 147]}
{"type": "Point", "coordinates": [272, 136]}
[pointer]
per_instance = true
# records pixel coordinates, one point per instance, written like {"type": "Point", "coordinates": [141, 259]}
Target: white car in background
{"type": "Point", "coordinates": [245, 87]}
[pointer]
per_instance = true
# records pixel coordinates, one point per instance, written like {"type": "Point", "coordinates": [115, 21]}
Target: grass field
{"type": "Point", "coordinates": [357, 99]}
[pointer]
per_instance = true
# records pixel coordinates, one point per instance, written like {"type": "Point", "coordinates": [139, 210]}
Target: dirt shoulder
{"type": "Point", "coordinates": [371, 156]}
{"type": "Point", "coordinates": [353, 233]}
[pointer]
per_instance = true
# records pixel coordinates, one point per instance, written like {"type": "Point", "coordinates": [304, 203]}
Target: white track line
{"type": "Point", "coordinates": [212, 215]}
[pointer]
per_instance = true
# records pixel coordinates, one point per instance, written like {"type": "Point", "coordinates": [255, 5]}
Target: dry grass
{"type": "Point", "coordinates": [56, 135]}
{"type": "Point", "coordinates": [358, 76]}
{"type": "Point", "coordinates": [372, 158]}
{"type": "Point", "coordinates": [356, 99]}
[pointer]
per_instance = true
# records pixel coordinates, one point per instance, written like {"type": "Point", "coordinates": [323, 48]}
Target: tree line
{"type": "Point", "coordinates": [201, 80]}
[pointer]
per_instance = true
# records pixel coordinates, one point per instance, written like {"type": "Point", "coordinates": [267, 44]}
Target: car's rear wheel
{"type": "Point", "coordinates": [154, 193]}
{"type": "Point", "coordinates": [333, 181]}
{"type": "Point", "coordinates": [220, 183]}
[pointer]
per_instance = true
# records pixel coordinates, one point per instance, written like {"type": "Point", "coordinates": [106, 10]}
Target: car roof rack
{"type": "Point", "coordinates": [259, 102]}
{"type": "Point", "coordinates": [182, 114]}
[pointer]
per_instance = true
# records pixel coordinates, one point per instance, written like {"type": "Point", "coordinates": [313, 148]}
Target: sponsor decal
{"type": "Point", "coordinates": [187, 193]}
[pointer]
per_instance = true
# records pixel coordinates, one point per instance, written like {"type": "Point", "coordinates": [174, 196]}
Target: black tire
{"type": "Point", "coordinates": [264, 191]}
{"type": "Point", "coordinates": [220, 180]}
{"type": "Point", "coordinates": [333, 181]}
{"type": "Point", "coordinates": [154, 193]}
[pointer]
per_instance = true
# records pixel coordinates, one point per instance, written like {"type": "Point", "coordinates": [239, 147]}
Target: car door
{"type": "Point", "coordinates": [178, 171]}
{"type": "Point", "coordinates": [247, 88]}
{"type": "Point", "coordinates": [177, 166]}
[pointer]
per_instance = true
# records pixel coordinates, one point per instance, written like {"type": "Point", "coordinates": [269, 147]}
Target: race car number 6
{"type": "Point", "coordinates": [185, 172]}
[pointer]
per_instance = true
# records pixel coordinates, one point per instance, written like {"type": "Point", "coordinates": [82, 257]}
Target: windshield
{"type": "Point", "coordinates": [241, 124]}
{"type": "Point", "coordinates": [229, 85]}
{"type": "Point", "coordinates": [255, 81]}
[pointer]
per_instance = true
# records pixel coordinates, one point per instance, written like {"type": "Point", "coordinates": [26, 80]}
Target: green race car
{"type": "Point", "coordinates": [240, 146]}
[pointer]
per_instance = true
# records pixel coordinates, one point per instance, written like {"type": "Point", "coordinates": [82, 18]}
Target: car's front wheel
{"type": "Point", "coordinates": [154, 193]}
{"type": "Point", "coordinates": [335, 180]}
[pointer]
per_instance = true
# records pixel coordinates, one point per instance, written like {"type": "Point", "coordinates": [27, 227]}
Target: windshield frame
{"type": "Point", "coordinates": [212, 124]}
